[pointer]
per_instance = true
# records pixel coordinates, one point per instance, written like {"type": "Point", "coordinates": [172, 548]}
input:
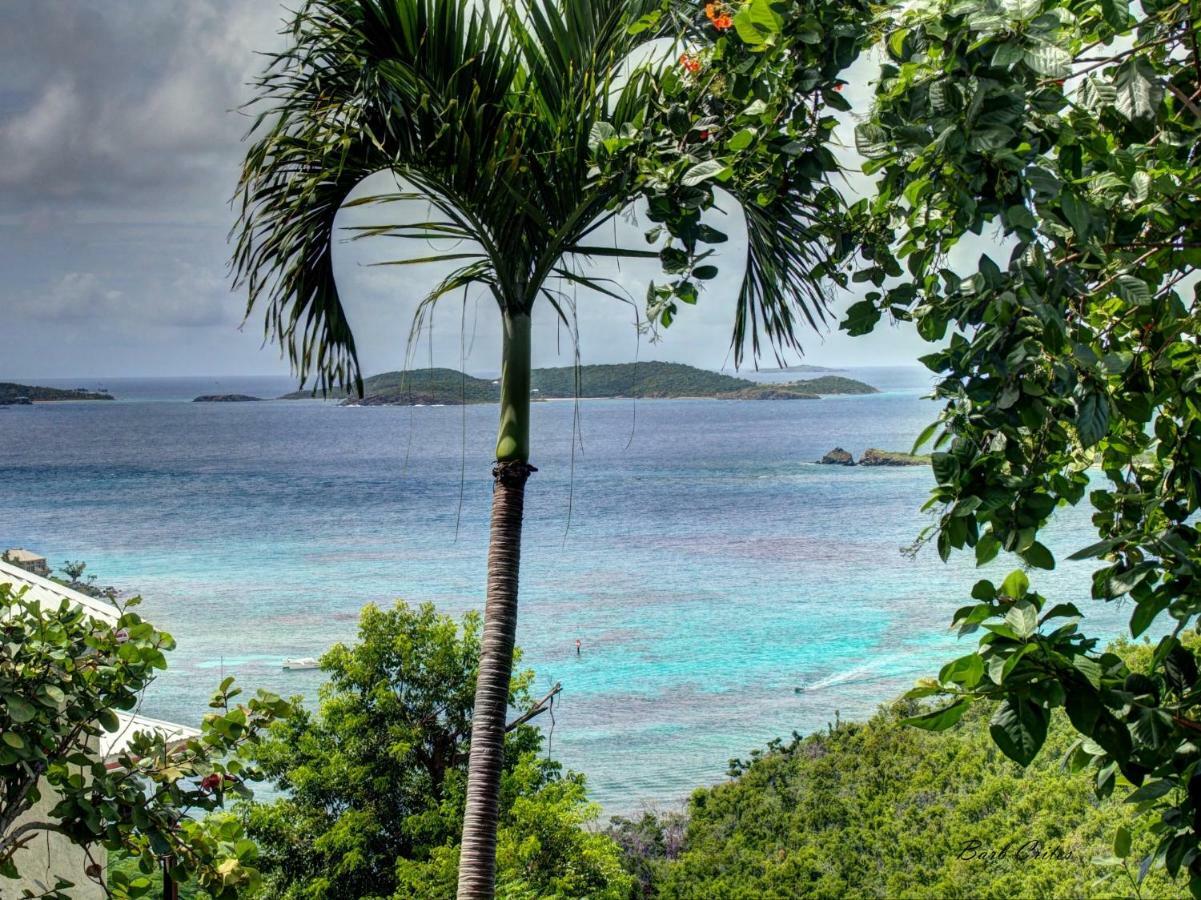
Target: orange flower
{"type": "Point", "coordinates": [711, 11]}
{"type": "Point", "coordinates": [723, 23]}
{"type": "Point", "coordinates": [838, 87]}
{"type": "Point", "coordinates": [690, 63]}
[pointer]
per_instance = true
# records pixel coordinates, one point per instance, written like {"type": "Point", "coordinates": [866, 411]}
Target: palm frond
{"type": "Point", "coordinates": [784, 280]}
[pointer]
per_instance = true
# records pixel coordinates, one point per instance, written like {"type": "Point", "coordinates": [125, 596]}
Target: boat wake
{"type": "Point", "coordinates": [886, 669]}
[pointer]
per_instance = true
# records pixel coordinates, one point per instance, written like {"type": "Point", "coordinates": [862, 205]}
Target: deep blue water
{"type": "Point", "coordinates": [710, 567]}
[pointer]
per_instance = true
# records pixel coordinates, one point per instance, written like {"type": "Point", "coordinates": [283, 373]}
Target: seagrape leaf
{"type": "Point", "coordinates": [702, 171]}
{"type": "Point", "coordinates": [939, 719]}
{"type": "Point", "coordinates": [1023, 618]}
{"type": "Point", "coordinates": [861, 318]}
{"type": "Point", "coordinates": [19, 710]}
{"type": "Point", "coordinates": [1019, 728]}
{"type": "Point", "coordinates": [871, 140]}
{"type": "Point", "coordinates": [1139, 92]}
{"type": "Point", "coordinates": [1049, 60]}
{"type": "Point", "coordinates": [1133, 290]}
{"type": "Point", "coordinates": [1020, 10]}
{"type": "Point", "coordinates": [1092, 418]}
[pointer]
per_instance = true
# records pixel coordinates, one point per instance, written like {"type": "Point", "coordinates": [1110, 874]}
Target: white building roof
{"type": "Point", "coordinates": [17, 554]}
{"type": "Point", "coordinates": [51, 593]}
{"type": "Point", "coordinates": [111, 744]}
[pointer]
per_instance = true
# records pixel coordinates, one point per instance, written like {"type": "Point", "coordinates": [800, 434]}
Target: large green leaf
{"type": "Point", "coordinates": [1015, 585]}
{"type": "Point", "coordinates": [1133, 289]}
{"type": "Point", "coordinates": [1092, 418]}
{"type": "Point", "coordinates": [1023, 618]}
{"type": "Point", "coordinates": [1019, 728]}
{"type": "Point", "coordinates": [1138, 91]}
{"type": "Point", "coordinates": [1049, 60]}
{"type": "Point", "coordinates": [939, 719]}
{"type": "Point", "coordinates": [702, 171]}
{"type": "Point", "coordinates": [19, 710]}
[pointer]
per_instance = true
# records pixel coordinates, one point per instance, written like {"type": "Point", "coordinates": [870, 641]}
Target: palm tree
{"type": "Point", "coordinates": [490, 119]}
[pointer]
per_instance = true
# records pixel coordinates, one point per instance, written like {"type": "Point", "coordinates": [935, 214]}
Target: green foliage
{"type": "Point", "coordinates": [124, 870]}
{"type": "Point", "coordinates": [749, 111]}
{"type": "Point", "coordinates": [62, 675]}
{"type": "Point", "coordinates": [883, 810]}
{"type": "Point", "coordinates": [375, 779]}
{"type": "Point", "coordinates": [1071, 130]}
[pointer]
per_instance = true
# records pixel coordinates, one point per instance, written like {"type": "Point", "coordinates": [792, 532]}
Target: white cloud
{"type": "Point", "coordinates": [183, 296]}
{"type": "Point", "coordinates": [124, 112]}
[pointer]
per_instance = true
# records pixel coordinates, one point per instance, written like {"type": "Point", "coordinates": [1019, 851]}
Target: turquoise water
{"type": "Point", "coordinates": [710, 567]}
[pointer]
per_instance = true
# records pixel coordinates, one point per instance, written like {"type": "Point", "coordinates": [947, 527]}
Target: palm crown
{"type": "Point", "coordinates": [488, 118]}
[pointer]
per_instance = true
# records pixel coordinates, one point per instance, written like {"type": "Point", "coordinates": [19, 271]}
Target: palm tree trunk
{"type": "Point", "coordinates": [477, 856]}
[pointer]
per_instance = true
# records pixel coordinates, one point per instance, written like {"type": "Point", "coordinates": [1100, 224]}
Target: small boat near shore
{"type": "Point", "coordinates": [301, 663]}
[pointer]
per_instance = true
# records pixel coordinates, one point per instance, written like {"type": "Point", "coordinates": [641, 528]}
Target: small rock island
{"type": "Point", "coordinates": [837, 457]}
{"type": "Point", "coordinates": [226, 398]}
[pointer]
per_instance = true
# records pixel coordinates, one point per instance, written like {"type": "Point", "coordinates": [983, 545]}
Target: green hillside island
{"type": "Point", "coordinates": [645, 380]}
{"type": "Point", "coordinates": [11, 394]}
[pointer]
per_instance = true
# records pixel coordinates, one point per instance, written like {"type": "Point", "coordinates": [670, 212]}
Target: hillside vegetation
{"type": "Point", "coordinates": [650, 380]}
{"type": "Point", "coordinates": [11, 393]}
{"type": "Point", "coordinates": [881, 809]}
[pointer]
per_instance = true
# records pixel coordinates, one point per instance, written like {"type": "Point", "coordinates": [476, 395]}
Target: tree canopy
{"type": "Point", "coordinates": [1066, 357]}
{"type": "Point", "coordinates": [63, 673]}
{"type": "Point", "coordinates": [375, 778]}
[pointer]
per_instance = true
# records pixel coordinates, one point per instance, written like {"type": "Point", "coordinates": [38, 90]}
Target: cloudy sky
{"type": "Point", "coordinates": [120, 143]}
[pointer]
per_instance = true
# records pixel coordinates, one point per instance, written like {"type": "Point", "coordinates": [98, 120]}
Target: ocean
{"type": "Point", "coordinates": [725, 588]}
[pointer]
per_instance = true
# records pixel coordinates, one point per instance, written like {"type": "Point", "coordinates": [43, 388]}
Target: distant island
{"type": "Point", "coordinates": [19, 394]}
{"type": "Point", "coordinates": [802, 368]}
{"type": "Point", "coordinates": [645, 380]}
{"type": "Point", "coordinates": [226, 398]}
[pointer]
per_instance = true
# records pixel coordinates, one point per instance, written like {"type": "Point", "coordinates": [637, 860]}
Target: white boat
{"type": "Point", "coordinates": [301, 663]}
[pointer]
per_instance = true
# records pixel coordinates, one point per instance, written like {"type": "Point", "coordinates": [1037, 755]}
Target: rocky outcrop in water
{"type": "Point", "coordinates": [874, 457]}
{"type": "Point", "coordinates": [837, 457]}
